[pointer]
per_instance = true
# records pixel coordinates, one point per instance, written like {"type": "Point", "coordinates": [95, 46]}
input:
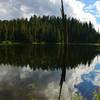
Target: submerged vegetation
{"type": "Point", "coordinates": [46, 29]}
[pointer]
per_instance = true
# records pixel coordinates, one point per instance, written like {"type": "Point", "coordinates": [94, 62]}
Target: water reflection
{"type": "Point", "coordinates": [48, 72]}
{"type": "Point", "coordinates": [46, 57]}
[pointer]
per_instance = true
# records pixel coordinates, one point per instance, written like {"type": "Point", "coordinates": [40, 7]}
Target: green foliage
{"type": "Point", "coordinates": [77, 97]}
{"type": "Point", "coordinates": [47, 29]}
{"type": "Point", "coordinates": [97, 94]}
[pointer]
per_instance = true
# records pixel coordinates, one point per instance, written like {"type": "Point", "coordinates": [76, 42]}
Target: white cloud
{"type": "Point", "coordinates": [97, 5]}
{"type": "Point", "coordinates": [73, 78]}
{"type": "Point", "coordinates": [94, 10]}
{"type": "Point", "coordinates": [26, 11]}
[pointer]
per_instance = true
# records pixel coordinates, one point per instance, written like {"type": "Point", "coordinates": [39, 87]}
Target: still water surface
{"type": "Point", "coordinates": [41, 72]}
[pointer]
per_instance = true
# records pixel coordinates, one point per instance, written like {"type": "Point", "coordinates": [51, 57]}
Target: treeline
{"type": "Point", "coordinates": [47, 29]}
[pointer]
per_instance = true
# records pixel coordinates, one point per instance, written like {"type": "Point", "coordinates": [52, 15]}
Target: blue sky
{"type": "Point", "coordinates": [88, 1]}
{"type": "Point", "coordinates": [84, 10]}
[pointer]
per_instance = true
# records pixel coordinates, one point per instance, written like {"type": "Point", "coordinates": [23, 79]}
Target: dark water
{"type": "Point", "coordinates": [42, 72]}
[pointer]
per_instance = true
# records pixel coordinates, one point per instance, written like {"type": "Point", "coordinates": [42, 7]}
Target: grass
{"type": "Point", "coordinates": [97, 94]}
{"type": "Point", "coordinates": [9, 43]}
{"type": "Point", "coordinates": [6, 42]}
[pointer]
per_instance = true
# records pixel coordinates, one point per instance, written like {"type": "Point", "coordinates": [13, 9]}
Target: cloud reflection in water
{"type": "Point", "coordinates": [45, 84]}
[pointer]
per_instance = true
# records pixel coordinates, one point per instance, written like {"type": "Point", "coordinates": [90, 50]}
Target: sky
{"type": "Point", "coordinates": [83, 10]}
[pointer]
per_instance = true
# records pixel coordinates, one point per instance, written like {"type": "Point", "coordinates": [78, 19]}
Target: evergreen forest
{"type": "Point", "coordinates": [47, 29]}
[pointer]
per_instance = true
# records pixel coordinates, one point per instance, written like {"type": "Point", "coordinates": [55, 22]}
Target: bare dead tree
{"type": "Point", "coordinates": [65, 31]}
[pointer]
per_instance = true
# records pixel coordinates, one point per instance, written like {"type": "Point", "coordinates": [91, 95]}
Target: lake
{"type": "Point", "coordinates": [49, 72]}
